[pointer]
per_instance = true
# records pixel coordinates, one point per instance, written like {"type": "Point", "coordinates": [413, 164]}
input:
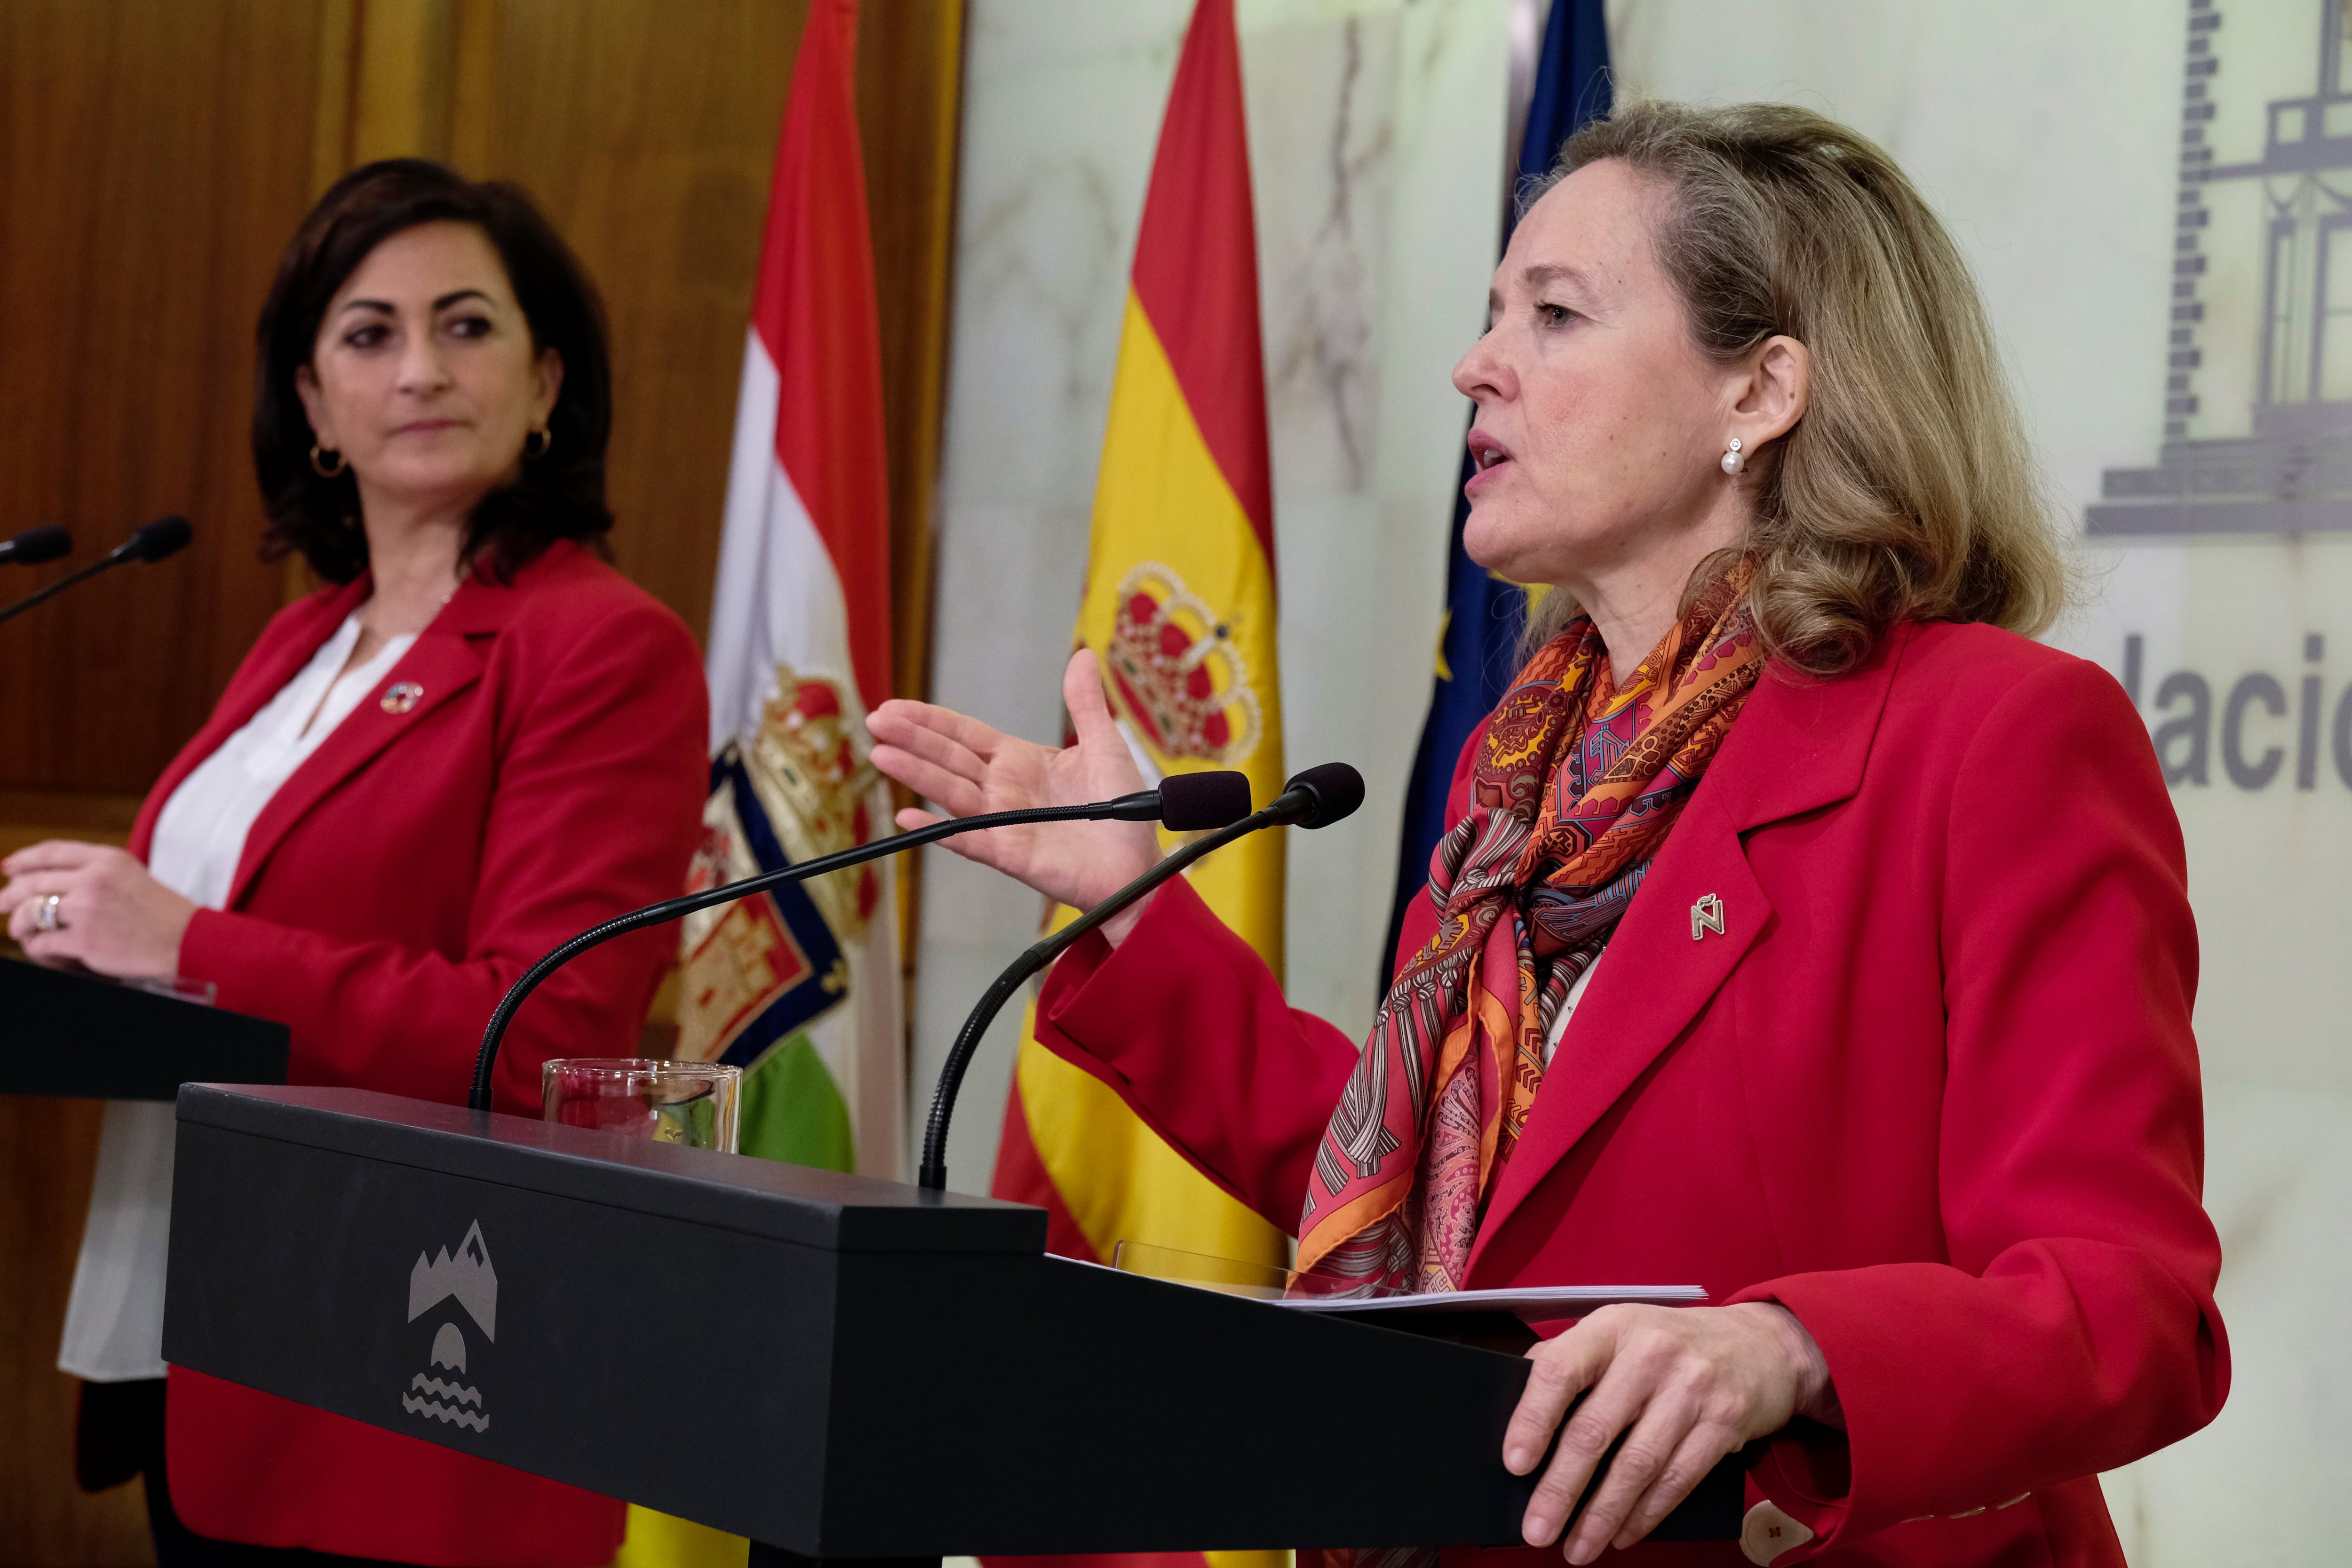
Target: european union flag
{"type": "Point", "coordinates": [1484, 613]}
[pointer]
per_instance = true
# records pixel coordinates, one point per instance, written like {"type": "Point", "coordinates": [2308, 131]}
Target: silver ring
{"type": "Point", "coordinates": [47, 921]}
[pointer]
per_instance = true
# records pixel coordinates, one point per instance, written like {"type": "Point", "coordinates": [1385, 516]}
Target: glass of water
{"type": "Point", "coordinates": [692, 1103]}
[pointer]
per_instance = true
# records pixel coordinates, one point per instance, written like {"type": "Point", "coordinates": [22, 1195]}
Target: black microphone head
{"type": "Point", "coordinates": [1195, 802]}
{"type": "Point", "coordinates": [1338, 790]}
{"type": "Point", "coordinates": [36, 545]}
{"type": "Point", "coordinates": [165, 536]}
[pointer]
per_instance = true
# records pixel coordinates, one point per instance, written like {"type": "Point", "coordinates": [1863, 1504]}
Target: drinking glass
{"type": "Point", "coordinates": [692, 1103]}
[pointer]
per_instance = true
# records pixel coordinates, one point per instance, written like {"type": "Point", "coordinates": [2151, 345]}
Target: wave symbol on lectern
{"type": "Point", "coordinates": [441, 1412]}
{"type": "Point", "coordinates": [472, 1397]}
{"type": "Point", "coordinates": [468, 1275]}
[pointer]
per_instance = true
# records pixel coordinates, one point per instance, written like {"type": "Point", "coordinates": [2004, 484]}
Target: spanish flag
{"type": "Point", "coordinates": [1179, 609]}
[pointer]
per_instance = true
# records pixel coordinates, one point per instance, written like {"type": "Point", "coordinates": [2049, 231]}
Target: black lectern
{"type": "Point", "coordinates": [67, 1034]}
{"type": "Point", "coordinates": [836, 1367]}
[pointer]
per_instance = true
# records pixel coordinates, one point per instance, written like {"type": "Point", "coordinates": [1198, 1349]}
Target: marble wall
{"type": "Point", "coordinates": [1376, 144]}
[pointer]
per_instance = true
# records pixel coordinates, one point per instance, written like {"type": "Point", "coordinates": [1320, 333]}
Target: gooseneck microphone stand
{"type": "Point", "coordinates": [1316, 798]}
{"type": "Point", "coordinates": [164, 537]}
{"type": "Point", "coordinates": [1182, 801]}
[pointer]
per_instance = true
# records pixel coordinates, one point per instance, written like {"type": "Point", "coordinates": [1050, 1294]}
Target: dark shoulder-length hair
{"type": "Point", "coordinates": [561, 494]}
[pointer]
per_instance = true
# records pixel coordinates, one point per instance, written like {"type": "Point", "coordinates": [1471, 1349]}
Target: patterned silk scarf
{"type": "Point", "coordinates": [1577, 785]}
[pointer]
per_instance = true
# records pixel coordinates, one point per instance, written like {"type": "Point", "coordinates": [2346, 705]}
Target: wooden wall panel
{"type": "Point", "coordinates": [149, 175]}
{"type": "Point", "coordinates": [46, 1150]}
{"type": "Point", "coordinates": [648, 130]}
{"type": "Point", "coordinates": [909, 80]}
{"type": "Point", "coordinates": [155, 157]}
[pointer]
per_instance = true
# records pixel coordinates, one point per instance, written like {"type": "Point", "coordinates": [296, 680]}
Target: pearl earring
{"type": "Point", "coordinates": [1732, 461]}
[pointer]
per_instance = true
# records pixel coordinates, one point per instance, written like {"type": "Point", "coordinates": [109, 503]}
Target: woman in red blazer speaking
{"type": "Point", "coordinates": [1799, 931]}
{"type": "Point", "coordinates": [475, 740]}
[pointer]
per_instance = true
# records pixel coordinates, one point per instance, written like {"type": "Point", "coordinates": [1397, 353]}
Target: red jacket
{"type": "Point", "coordinates": [550, 775]}
{"type": "Point", "coordinates": [1933, 1088]}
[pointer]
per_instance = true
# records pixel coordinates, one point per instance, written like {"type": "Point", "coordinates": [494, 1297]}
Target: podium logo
{"type": "Point", "coordinates": [467, 1278]}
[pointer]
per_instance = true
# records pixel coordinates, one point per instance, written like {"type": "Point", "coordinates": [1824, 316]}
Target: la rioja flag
{"type": "Point", "coordinates": [800, 986]}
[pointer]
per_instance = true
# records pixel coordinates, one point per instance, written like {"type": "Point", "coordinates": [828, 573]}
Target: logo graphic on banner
{"type": "Point", "coordinates": [467, 1278]}
{"type": "Point", "coordinates": [2258, 382]}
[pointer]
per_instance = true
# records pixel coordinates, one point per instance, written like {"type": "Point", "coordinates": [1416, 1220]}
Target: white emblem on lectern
{"type": "Point", "coordinates": [470, 1280]}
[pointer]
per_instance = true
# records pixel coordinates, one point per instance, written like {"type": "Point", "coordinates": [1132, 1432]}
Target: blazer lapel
{"type": "Point", "coordinates": [1798, 746]}
{"type": "Point", "coordinates": [444, 662]}
{"type": "Point", "coordinates": [249, 691]}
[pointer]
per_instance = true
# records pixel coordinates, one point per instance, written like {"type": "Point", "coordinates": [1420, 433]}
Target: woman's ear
{"type": "Point", "coordinates": [1772, 400]}
{"type": "Point", "coordinates": [547, 378]}
{"type": "Point", "coordinates": [314, 408]}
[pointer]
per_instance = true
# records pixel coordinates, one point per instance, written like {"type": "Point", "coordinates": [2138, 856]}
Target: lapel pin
{"type": "Point", "coordinates": [1707, 915]}
{"type": "Point", "coordinates": [401, 695]}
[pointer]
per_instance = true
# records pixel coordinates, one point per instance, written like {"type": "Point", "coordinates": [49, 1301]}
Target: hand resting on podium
{"type": "Point", "coordinates": [110, 915]}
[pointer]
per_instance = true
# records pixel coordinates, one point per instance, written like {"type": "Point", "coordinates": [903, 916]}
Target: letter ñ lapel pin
{"type": "Point", "coordinates": [1707, 915]}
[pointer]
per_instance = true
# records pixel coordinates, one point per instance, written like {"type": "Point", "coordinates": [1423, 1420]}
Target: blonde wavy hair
{"type": "Point", "coordinates": [1907, 491]}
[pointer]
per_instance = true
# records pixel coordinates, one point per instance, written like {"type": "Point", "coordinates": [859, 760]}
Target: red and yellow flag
{"type": "Point", "coordinates": [1180, 607]}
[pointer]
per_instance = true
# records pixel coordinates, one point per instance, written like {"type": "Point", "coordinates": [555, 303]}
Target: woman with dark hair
{"type": "Point", "coordinates": [1801, 928]}
{"type": "Point", "coordinates": [476, 740]}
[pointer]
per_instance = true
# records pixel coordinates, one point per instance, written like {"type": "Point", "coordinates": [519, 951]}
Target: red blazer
{"type": "Point", "coordinates": [1933, 1088]}
{"type": "Point", "coordinates": [550, 775]}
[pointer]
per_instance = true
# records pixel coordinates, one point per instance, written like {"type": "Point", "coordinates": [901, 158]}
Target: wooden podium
{"type": "Point", "coordinates": [834, 1366]}
{"type": "Point", "coordinates": [74, 1035]}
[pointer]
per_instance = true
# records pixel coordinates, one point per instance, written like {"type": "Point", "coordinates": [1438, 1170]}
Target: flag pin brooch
{"type": "Point", "coordinates": [1707, 915]}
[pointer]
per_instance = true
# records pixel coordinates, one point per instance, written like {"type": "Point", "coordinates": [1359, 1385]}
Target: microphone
{"type": "Point", "coordinates": [1185, 803]}
{"type": "Point", "coordinates": [36, 545]}
{"type": "Point", "coordinates": [1316, 798]}
{"type": "Point", "coordinates": [165, 536]}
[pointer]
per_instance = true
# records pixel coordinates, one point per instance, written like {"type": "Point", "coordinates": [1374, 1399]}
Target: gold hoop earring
{"type": "Point", "coordinates": [546, 438]}
{"type": "Point", "coordinates": [321, 469]}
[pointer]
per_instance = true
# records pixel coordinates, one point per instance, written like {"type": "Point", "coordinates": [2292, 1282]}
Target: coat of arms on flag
{"type": "Point", "coordinates": [764, 966]}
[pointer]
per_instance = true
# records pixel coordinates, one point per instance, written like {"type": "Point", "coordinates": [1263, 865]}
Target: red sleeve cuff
{"type": "Point", "coordinates": [1094, 993]}
{"type": "Point", "coordinates": [211, 951]}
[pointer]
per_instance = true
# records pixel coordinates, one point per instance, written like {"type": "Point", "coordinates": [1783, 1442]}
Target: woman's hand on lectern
{"type": "Point", "coordinates": [110, 915]}
{"type": "Point", "coordinates": [1685, 1385]}
{"type": "Point", "coordinates": [967, 768]}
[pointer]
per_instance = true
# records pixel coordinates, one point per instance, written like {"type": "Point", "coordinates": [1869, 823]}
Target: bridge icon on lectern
{"type": "Point", "coordinates": [2261, 305]}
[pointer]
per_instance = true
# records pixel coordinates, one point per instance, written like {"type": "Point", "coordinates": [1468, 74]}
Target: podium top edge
{"type": "Point", "coordinates": [826, 1209]}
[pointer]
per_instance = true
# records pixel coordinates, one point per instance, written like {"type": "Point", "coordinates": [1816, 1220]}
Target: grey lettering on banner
{"type": "Point", "coordinates": [2251, 689]}
{"type": "Point", "coordinates": [2196, 727]}
{"type": "Point", "coordinates": [2306, 734]}
{"type": "Point", "coordinates": [2343, 737]}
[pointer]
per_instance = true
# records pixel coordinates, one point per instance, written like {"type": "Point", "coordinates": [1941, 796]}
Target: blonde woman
{"type": "Point", "coordinates": [1801, 930]}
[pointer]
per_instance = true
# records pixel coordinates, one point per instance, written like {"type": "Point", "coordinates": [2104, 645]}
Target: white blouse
{"type": "Point", "coordinates": [114, 1320]}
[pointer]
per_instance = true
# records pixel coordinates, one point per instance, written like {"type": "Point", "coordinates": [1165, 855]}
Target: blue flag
{"type": "Point", "coordinates": [1484, 613]}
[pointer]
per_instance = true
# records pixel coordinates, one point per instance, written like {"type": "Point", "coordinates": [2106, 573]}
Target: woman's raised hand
{"type": "Point", "coordinates": [966, 768]}
{"type": "Point", "coordinates": [111, 916]}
